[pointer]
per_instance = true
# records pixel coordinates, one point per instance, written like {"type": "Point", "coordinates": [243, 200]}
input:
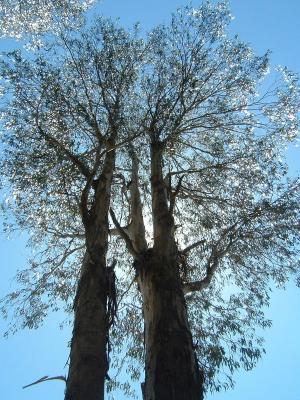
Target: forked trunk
{"type": "Point", "coordinates": [171, 370]}
{"type": "Point", "coordinates": [88, 356]}
{"type": "Point", "coordinates": [88, 359]}
{"type": "Point", "coordinates": [171, 367]}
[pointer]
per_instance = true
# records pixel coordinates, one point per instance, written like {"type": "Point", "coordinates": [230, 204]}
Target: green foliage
{"type": "Point", "coordinates": [36, 17]}
{"type": "Point", "coordinates": [202, 95]}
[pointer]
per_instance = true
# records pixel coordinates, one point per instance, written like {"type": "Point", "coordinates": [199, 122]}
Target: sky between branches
{"type": "Point", "coordinates": [30, 355]}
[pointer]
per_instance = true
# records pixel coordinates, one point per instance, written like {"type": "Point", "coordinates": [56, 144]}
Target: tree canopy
{"type": "Point", "coordinates": [222, 127]}
{"type": "Point", "coordinates": [35, 17]}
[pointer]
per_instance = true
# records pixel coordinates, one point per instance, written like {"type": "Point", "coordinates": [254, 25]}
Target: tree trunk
{"type": "Point", "coordinates": [88, 359]}
{"type": "Point", "coordinates": [88, 356]}
{"type": "Point", "coordinates": [171, 367]}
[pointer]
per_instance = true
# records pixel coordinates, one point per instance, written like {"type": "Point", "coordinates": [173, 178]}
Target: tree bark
{"type": "Point", "coordinates": [171, 367]}
{"type": "Point", "coordinates": [88, 356]}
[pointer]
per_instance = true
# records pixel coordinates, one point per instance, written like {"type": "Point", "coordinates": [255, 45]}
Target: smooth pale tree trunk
{"type": "Point", "coordinates": [171, 367]}
{"type": "Point", "coordinates": [88, 357]}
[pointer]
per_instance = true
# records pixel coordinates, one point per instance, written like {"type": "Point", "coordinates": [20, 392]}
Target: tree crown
{"type": "Point", "coordinates": [200, 97]}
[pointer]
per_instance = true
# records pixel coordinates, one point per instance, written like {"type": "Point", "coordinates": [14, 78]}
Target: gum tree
{"type": "Point", "coordinates": [203, 218]}
{"type": "Point", "coordinates": [225, 220]}
{"type": "Point", "coordinates": [65, 120]}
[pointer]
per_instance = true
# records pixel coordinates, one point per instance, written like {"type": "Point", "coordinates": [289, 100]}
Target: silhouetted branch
{"type": "Point", "coordinates": [46, 378]}
{"type": "Point", "coordinates": [124, 235]}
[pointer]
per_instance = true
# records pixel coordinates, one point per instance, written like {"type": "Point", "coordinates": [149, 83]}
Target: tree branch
{"type": "Point", "coordinates": [219, 166]}
{"type": "Point", "coordinates": [216, 255]}
{"type": "Point", "coordinates": [72, 157]}
{"type": "Point", "coordinates": [137, 225]}
{"type": "Point", "coordinates": [174, 194]}
{"type": "Point", "coordinates": [85, 214]}
{"type": "Point", "coordinates": [124, 235]}
{"type": "Point", "coordinates": [121, 144]}
{"type": "Point", "coordinates": [197, 286]}
{"type": "Point", "coordinates": [46, 378]}
{"type": "Point", "coordinates": [115, 231]}
{"type": "Point", "coordinates": [192, 246]}
{"type": "Point", "coordinates": [212, 262]}
{"type": "Point", "coordinates": [212, 265]}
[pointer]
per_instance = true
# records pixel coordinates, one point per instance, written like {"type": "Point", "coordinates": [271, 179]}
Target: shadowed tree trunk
{"type": "Point", "coordinates": [88, 359]}
{"type": "Point", "coordinates": [88, 356]}
{"type": "Point", "coordinates": [171, 367]}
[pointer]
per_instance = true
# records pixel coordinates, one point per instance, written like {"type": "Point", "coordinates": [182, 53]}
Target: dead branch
{"type": "Point", "coordinates": [46, 378]}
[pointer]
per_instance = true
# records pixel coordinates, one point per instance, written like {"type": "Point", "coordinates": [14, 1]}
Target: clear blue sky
{"type": "Point", "coordinates": [29, 355]}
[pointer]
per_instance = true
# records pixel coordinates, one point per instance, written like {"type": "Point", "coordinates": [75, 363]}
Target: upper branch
{"type": "Point", "coordinates": [72, 157]}
{"type": "Point", "coordinates": [173, 194]}
{"type": "Point", "coordinates": [232, 234]}
{"type": "Point", "coordinates": [192, 246]}
{"type": "Point", "coordinates": [211, 266]}
{"type": "Point", "coordinates": [213, 261]}
{"type": "Point", "coordinates": [137, 225]}
{"type": "Point", "coordinates": [124, 235]}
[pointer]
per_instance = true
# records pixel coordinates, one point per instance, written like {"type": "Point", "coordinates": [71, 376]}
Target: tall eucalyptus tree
{"type": "Point", "coordinates": [68, 113]}
{"type": "Point", "coordinates": [211, 182]}
{"type": "Point", "coordinates": [183, 141]}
